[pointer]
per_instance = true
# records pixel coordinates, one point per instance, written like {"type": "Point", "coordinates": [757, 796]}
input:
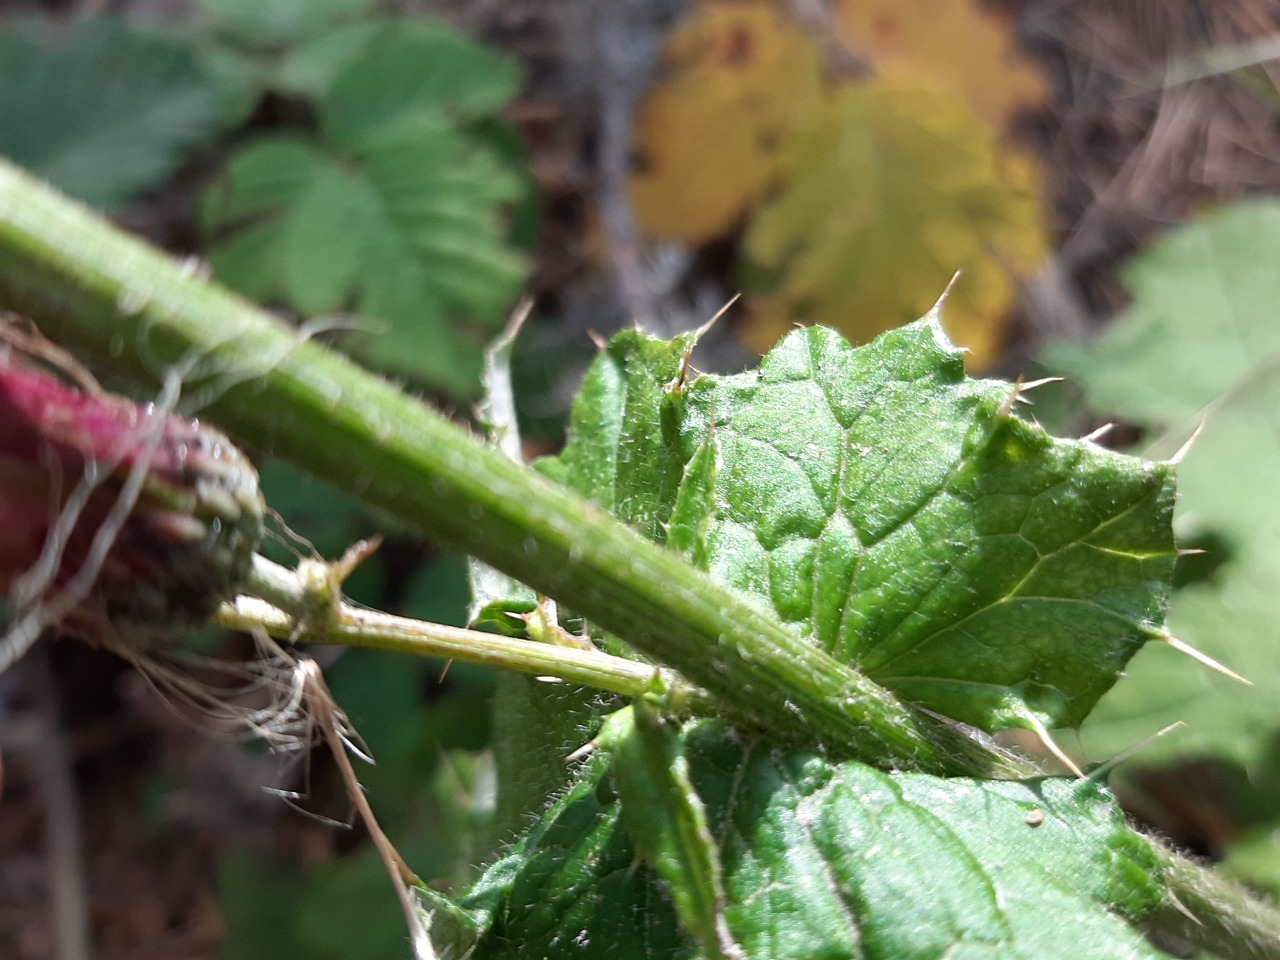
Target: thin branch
{"type": "Point", "coordinates": [289, 607]}
{"type": "Point", "coordinates": [333, 729]}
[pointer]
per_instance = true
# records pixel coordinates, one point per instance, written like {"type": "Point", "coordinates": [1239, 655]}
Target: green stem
{"type": "Point", "coordinates": [1213, 913]}
{"type": "Point", "coordinates": [107, 294]}
{"type": "Point", "coordinates": [283, 604]}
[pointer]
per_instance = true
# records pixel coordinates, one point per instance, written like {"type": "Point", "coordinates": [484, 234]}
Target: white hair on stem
{"type": "Point", "coordinates": [36, 608]}
{"type": "Point", "coordinates": [274, 696]}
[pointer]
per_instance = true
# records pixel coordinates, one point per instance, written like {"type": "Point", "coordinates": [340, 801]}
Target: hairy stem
{"type": "Point", "coordinates": [284, 605]}
{"type": "Point", "coordinates": [1213, 913]}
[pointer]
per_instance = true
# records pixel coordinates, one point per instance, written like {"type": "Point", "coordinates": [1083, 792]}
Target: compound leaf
{"type": "Point", "coordinates": [403, 225]}
{"type": "Point", "coordinates": [105, 111]}
{"type": "Point", "coordinates": [412, 67]}
{"type": "Point", "coordinates": [311, 68]}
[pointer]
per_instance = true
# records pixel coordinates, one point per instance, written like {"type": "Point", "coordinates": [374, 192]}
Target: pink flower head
{"type": "Point", "coordinates": [119, 522]}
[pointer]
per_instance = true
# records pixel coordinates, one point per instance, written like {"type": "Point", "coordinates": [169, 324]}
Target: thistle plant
{"type": "Point", "coordinates": [844, 569]}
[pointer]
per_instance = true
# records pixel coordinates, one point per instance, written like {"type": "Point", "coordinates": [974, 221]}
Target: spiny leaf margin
{"type": "Point", "coordinates": [894, 511]}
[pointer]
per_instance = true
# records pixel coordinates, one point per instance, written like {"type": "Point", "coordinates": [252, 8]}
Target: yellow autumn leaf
{"type": "Point", "coordinates": [892, 190]}
{"type": "Point", "coordinates": [741, 76]}
{"type": "Point", "coordinates": [951, 45]}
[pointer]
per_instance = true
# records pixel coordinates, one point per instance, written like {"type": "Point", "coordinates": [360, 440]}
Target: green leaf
{"type": "Point", "coordinates": [411, 67]}
{"type": "Point", "coordinates": [624, 450]}
{"type": "Point", "coordinates": [269, 173]}
{"type": "Point", "coordinates": [288, 46]}
{"type": "Point", "coordinates": [695, 504]}
{"type": "Point", "coordinates": [105, 111]}
{"type": "Point", "coordinates": [834, 861]}
{"type": "Point", "coordinates": [264, 23]}
{"type": "Point", "coordinates": [325, 237]}
{"type": "Point", "coordinates": [398, 212]}
{"type": "Point", "coordinates": [247, 202]}
{"type": "Point", "coordinates": [445, 194]}
{"type": "Point", "coordinates": [667, 822]}
{"type": "Point", "coordinates": [893, 511]}
{"type": "Point", "coordinates": [1201, 341]}
{"type": "Point", "coordinates": [403, 228]}
{"type": "Point", "coordinates": [240, 77]}
{"type": "Point", "coordinates": [311, 69]}
{"type": "Point", "coordinates": [1194, 329]}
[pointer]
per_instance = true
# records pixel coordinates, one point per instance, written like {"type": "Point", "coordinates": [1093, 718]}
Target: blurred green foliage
{"type": "Point", "coordinates": [103, 110]}
{"type": "Point", "coordinates": [357, 164]}
{"type": "Point", "coordinates": [390, 200]}
{"type": "Point", "coordinates": [1199, 350]}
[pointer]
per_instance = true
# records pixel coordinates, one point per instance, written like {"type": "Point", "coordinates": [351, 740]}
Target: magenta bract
{"type": "Point", "coordinates": [193, 519]}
